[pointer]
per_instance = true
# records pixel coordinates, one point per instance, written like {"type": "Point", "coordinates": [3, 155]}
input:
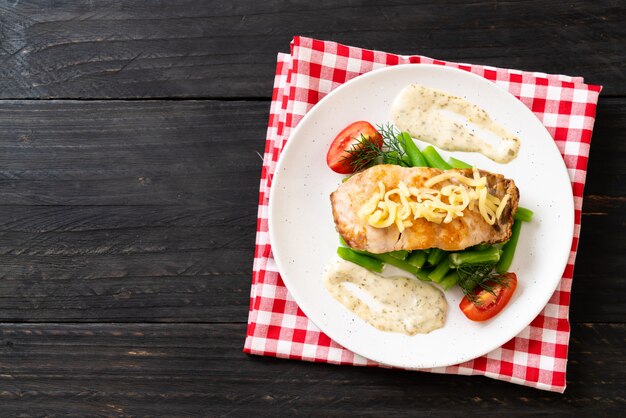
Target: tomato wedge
{"type": "Point", "coordinates": [487, 304]}
{"type": "Point", "coordinates": [338, 157]}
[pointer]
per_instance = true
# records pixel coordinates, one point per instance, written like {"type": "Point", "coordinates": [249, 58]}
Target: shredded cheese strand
{"type": "Point", "coordinates": [395, 206]}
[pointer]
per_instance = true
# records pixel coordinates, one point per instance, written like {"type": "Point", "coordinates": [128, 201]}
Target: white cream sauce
{"type": "Point", "coordinates": [421, 112]}
{"type": "Point", "coordinates": [395, 304]}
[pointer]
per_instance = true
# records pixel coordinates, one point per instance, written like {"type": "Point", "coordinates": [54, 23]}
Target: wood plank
{"type": "Point", "coordinates": [606, 168]}
{"type": "Point", "coordinates": [134, 263]}
{"type": "Point", "coordinates": [131, 152]}
{"type": "Point", "coordinates": [189, 48]}
{"type": "Point", "coordinates": [600, 263]}
{"type": "Point", "coordinates": [199, 370]}
{"type": "Point", "coordinates": [601, 252]}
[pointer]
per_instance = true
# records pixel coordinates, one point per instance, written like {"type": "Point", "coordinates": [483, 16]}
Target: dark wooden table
{"type": "Point", "coordinates": [129, 169]}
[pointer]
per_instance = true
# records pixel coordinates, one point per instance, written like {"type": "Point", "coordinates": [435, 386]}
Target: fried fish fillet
{"type": "Point", "coordinates": [462, 232]}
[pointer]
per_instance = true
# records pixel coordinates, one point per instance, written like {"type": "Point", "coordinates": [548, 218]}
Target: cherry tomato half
{"type": "Point", "coordinates": [338, 157]}
{"type": "Point", "coordinates": [487, 304]}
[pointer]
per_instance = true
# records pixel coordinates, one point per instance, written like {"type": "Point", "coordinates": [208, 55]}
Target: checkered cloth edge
{"type": "Point", "coordinates": [566, 106]}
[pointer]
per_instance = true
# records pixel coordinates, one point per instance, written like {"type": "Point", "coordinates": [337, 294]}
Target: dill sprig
{"type": "Point", "coordinates": [393, 148]}
{"type": "Point", "coordinates": [366, 152]}
{"type": "Point", "coordinates": [479, 275]}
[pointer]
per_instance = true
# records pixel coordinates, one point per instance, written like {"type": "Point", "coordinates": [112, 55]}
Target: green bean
{"type": "Point", "coordinates": [394, 158]}
{"type": "Point", "coordinates": [509, 248]}
{"type": "Point", "coordinates": [422, 275]}
{"type": "Point", "coordinates": [434, 159]}
{"type": "Point", "coordinates": [458, 163]}
{"type": "Point", "coordinates": [362, 260]}
{"type": "Point", "coordinates": [401, 264]}
{"type": "Point", "coordinates": [450, 280]}
{"type": "Point", "coordinates": [416, 157]}
{"type": "Point", "coordinates": [435, 256]}
{"type": "Point", "coordinates": [440, 271]}
{"type": "Point", "coordinates": [400, 254]}
{"type": "Point", "coordinates": [481, 247]}
{"type": "Point", "coordinates": [488, 256]}
{"type": "Point", "coordinates": [393, 258]}
{"type": "Point", "coordinates": [417, 258]}
{"type": "Point", "coordinates": [391, 157]}
{"type": "Point", "coordinates": [523, 214]}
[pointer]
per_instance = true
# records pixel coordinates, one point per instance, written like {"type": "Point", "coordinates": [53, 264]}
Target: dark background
{"type": "Point", "coordinates": [129, 134]}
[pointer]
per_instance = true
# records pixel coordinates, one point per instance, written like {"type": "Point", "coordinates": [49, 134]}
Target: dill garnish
{"type": "Point", "coordinates": [474, 275]}
{"type": "Point", "coordinates": [366, 153]}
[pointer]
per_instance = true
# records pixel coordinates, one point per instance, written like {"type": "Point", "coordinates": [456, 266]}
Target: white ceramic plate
{"type": "Point", "coordinates": [303, 236]}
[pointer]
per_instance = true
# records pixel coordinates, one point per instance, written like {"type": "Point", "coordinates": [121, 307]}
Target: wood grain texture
{"type": "Point", "coordinates": [599, 283]}
{"type": "Point", "coordinates": [120, 263]}
{"type": "Point", "coordinates": [128, 211]}
{"type": "Point", "coordinates": [606, 171]}
{"type": "Point", "coordinates": [127, 225]}
{"type": "Point", "coordinates": [195, 48]}
{"type": "Point", "coordinates": [131, 153]}
{"type": "Point", "coordinates": [199, 370]}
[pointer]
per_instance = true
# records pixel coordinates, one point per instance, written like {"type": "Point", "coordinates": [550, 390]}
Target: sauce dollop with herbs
{"type": "Point", "coordinates": [394, 304]}
{"type": "Point", "coordinates": [433, 116]}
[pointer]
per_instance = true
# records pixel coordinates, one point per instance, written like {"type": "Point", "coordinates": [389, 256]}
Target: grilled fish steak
{"type": "Point", "coordinates": [462, 232]}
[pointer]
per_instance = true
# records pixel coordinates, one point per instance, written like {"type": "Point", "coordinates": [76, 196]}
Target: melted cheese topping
{"type": "Point", "coordinates": [402, 205]}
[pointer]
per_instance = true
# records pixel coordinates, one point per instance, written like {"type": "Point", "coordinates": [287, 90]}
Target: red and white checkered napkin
{"type": "Point", "coordinates": [537, 357]}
